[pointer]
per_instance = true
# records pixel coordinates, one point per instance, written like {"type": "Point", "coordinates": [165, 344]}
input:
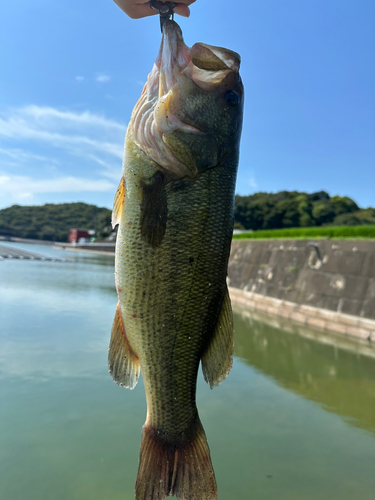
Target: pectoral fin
{"type": "Point", "coordinates": [122, 361]}
{"type": "Point", "coordinates": [118, 203]}
{"type": "Point", "coordinates": [217, 360]}
{"type": "Point", "coordinates": [154, 210]}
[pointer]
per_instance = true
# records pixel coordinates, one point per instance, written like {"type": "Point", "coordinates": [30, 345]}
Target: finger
{"type": "Point", "coordinates": [143, 10]}
{"type": "Point", "coordinates": [182, 10]}
{"type": "Point", "coordinates": [136, 10]}
{"type": "Point", "coordinates": [186, 2]}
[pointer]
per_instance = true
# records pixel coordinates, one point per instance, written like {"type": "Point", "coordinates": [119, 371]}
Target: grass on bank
{"type": "Point", "coordinates": [363, 232]}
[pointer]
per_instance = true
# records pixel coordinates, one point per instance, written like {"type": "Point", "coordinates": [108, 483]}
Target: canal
{"type": "Point", "coordinates": [294, 420]}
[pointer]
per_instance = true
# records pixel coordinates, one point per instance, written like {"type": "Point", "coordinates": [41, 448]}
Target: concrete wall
{"type": "Point", "coordinates": [339, 277]}
{"type": "Point", "coordinates": [99, 248]}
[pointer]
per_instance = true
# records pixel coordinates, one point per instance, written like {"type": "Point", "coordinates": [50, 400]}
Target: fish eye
{"type": "Point", "coordinates": [232, 98]}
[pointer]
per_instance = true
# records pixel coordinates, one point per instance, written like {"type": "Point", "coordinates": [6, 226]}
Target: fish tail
{"type": "Point", "coordinates": [184, 470]}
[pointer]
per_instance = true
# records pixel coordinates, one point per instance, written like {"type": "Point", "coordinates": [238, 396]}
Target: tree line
{"type": "Point", "coordinates": [53, 221]}
{"type": "Point", "coordinates": [295, 209]}
{"type": "Point", "coordinates": [285, 209]}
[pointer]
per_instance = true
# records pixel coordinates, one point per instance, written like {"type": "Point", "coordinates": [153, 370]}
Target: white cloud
{"type": "Point", "coordinates": [21, 155]}
{"type": "Point", "coordinates": [252, 183]}
{"type": "Point", "coordinates": [23, 188]}
{"type": "Point", "coordinates": [103, 78]}
{"type": "Point", "coordinates": [80, 78]}
{"type": "Point", "coordinates": [76, 133]}
{"type": "Point", "coordinates": [49, 150]}
{"type": "Point", "coordinates": [86, 117]}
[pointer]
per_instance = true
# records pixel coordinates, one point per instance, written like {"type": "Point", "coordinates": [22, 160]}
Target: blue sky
{"type": "Point", "coordinates": [72, 70]}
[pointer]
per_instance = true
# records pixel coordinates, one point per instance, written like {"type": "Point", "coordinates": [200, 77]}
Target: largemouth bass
{"type": "Point", "coordinates": [174, 207]}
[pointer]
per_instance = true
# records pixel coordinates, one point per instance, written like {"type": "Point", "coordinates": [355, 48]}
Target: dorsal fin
{"type": "Point", "coordinates": [118, 203]}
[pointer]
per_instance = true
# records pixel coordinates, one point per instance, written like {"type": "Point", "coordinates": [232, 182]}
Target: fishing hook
{"type": "Point", "coordinates": [165, 10]}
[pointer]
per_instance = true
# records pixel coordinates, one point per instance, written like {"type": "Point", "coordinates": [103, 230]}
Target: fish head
{"type": "Point", "coordinates": [189, 116]}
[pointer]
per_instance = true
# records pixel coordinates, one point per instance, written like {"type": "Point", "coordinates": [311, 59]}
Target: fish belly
{"type": "Point", "coordinates": [171, 289]}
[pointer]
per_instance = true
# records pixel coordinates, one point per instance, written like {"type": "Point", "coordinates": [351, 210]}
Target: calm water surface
{"type": "Point", "coordinates": [295, 420]}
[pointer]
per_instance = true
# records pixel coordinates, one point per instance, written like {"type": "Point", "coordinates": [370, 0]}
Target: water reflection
{"type": "Point", "coordinates": [84, 273]}
{"type": "Point", "coordinates": [55, 317]}
{"type": "Point", "coordinates": [68, 432]}
{"type": "Point", "coordinates": [342, 381]}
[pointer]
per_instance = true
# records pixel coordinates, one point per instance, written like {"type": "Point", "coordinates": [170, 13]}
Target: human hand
{"type": "Point", "coordinates": [141, 8]}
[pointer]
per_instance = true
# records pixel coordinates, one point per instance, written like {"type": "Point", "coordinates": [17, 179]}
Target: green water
{"type": "Point", "coordinates": [295, 419]}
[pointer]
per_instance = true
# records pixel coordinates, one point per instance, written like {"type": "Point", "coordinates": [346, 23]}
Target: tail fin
{"type": "Point", "coordinates": [182, 470]}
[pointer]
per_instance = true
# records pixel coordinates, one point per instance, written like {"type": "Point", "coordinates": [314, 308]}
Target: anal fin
{"type": "Point", "coordinates": [118, 203]}
{"type": "Point", "coordinates": [218, 358]}
{"type": "Point", "coordinates": [122, 361]}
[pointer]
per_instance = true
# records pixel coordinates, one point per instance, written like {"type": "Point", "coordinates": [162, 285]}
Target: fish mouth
{"type": "Point", "coordinates": [152, 119]}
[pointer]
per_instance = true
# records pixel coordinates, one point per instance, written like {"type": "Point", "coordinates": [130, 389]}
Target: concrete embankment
{"type": "Point", "coordinates": [325, 284]}
{"type": "Point", "coordinates": [99, 248]}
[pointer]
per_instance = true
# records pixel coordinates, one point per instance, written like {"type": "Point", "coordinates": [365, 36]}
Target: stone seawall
{"type": "Point", "coordinates": [325, 283]}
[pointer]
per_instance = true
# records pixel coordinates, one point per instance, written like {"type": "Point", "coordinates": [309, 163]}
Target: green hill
{"type": "Point", "coordinates": [53, 222]}
{"type": "Point", "coordinates": [293, 209]}
{"type": "Point", "coordinates": [260, 211]}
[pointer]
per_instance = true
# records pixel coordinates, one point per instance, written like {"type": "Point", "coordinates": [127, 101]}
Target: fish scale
{"type": "Point", "coordinates": [174, 207]}
{"type": "Point", "coordinates": [164, 265]}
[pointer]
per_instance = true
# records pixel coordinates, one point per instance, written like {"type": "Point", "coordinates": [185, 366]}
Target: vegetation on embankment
{"type": "Point", "coordinates": [53, 221]}
{"type": "Point", "coordinates": [339, 232]}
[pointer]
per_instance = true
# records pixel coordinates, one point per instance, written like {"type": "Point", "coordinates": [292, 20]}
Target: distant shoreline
{"type": "Point", "coordinates": [14, 239]}
{"type": "Point", "coordinates": [105, 248]}
{"type": "Point", "coordinates": [98, 248]}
